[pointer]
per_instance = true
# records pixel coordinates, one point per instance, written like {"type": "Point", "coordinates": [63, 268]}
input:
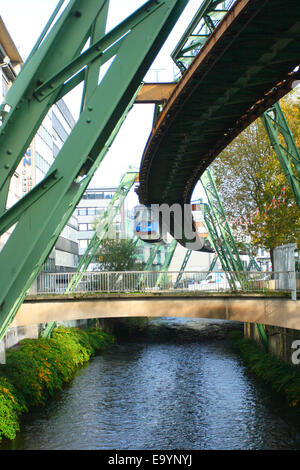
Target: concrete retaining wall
{"type": "Point", "coordinates": [280, 340]}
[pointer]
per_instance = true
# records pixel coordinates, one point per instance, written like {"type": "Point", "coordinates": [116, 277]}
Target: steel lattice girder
{"type": "Point", "coordinates": [149, 263]}
{"type": "Point", "coordinates": [219, 214]}
{"type": "Point", "coordinates": [287, 152]}
{"type": "Point", "coordinates": [152, 256]}
{"type": "Point", "coordinates": [38, 226]}
{"type": "Point", "coordinates": [220, 232]}
{"type": "Point", "coordinates": [183, 266]}
{"type": "Point", "coordinates": [202, 25]}
{"type": "Point", "coordinates": [218, 245]}
{"type": "Point", "coordinates": [168, 258]}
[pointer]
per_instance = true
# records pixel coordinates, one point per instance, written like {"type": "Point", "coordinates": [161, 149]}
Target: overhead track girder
{"type": "Point", "coordinates": [202, 25]}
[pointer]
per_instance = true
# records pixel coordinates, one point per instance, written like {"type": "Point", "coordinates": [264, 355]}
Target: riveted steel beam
{"type": "Point", "coordinates": [38, 226]}
{"type": "Point", "coordinates": [183, 266]}
{"type": "Point", "coordinates": [287, 152]}
{"type": "Point", "coordinates": [202, 25]}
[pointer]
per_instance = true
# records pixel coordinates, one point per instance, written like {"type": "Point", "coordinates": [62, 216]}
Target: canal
{"type": "Point", "coordinates": [162, 395]}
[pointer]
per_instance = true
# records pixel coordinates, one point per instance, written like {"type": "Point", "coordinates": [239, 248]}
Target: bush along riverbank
{"type": "Point", "coordinates": [284, 378]}
{"type": "Point", "coordinates": [35, 369]}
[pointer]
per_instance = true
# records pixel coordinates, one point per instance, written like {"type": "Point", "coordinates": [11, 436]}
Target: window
{"type": "Point", "coordinates": [41, 163]}
{"type": "Point", "coordinates": [82, 227]}
{"type": "Point", "coordinates": [83, 243]}
{"type": "Point", "coordinates": [58, 127]}
{"type": "Point", "coordinates": [82, 211]}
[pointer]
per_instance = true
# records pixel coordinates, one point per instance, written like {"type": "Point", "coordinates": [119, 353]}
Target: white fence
{"type": "Point", "coordinates": [153, 281]}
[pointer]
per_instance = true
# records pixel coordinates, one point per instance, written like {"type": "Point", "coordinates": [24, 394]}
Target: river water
{"type": "Point", "coordinates": [158, 396]}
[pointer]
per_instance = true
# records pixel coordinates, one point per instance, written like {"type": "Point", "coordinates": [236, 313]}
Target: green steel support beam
{"type": "Point", "coordinates": [167, 262]}
{"type": "Point", "coordinates": [213, 263]}
{"type": "Point", "coordinates": [48, 330]}
{"type": "Point", "coordinates": [152, 256]}
{"type": "Point", "coordinates": [252, 263]}
{"type": "Point", "coordinates": [50, 326]}
{"type": "Point", "coordinates": [215, 239]}
{"type": "Point", "coordinates": [220, 231]}
{"type": "Point", "coordinates": [149, 264]}
{"type": "Point", "coordinates": [287, 152]}
{"type": "Point", "coordinates": [209, 14]}
{"type": "Point", "coordinates": [263, 336]}
{"type": "Point", "coordinates": [183, 266]}
{"type": "Point", "coordinates": [38, 226]}
{"type": "Point", "coordinates": [13, 214]}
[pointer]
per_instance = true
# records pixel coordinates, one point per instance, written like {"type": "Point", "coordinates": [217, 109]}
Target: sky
{"type": "Point", "coordinates": [25, 21]}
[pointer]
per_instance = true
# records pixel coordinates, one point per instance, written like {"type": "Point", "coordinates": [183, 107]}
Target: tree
{"type": "Point", "coordinates": [251, 181]}
{"type": "Point", "coordinates": [118, 255]}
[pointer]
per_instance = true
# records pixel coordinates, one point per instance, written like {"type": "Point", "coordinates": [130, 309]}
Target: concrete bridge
{"type": "Point", "coordinates": [276, 309]}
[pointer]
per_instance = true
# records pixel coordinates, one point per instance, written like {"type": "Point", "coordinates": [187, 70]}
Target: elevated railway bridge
{"type": "Point", "coordinates": [246, 64]}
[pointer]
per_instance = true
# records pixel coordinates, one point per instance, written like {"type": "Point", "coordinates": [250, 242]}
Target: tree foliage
{"type": "Point", "coordinates": [250, 180]}
{"type": "Point", "coordinates": [118, 255]}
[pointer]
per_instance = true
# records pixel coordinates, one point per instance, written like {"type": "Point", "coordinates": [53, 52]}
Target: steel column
{"type": "Point", "coordinates": [286, 151]}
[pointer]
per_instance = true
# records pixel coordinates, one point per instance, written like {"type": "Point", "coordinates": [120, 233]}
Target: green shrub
{"type": "Point", "coordinates": [11, 407]}
{"type": "Point", "coordinates": [282, 377]}
{"type": "Point", "coordinates": [37, 368]}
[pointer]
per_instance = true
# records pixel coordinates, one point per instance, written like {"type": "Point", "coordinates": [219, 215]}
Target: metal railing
{"type": "Point", "coordinates": [153, 281]}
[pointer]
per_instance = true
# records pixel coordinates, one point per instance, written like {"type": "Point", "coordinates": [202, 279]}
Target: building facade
{"type": "Point", "coordinates": [10, 65]}
{"type": "Point", "coordinates": [89, 211]}
{"type": "Point", "coordinates": [48, 141]}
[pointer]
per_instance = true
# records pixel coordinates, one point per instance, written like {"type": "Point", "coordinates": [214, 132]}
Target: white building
{"type": "Point", "coordinates": [90, 210]}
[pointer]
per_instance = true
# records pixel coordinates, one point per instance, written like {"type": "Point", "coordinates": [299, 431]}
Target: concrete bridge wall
{"type": "Point", "coordinates": [268, 311]}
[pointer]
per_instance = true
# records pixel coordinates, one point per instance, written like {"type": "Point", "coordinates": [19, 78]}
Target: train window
{"type": "Point", "coordinates": [145, 225]}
